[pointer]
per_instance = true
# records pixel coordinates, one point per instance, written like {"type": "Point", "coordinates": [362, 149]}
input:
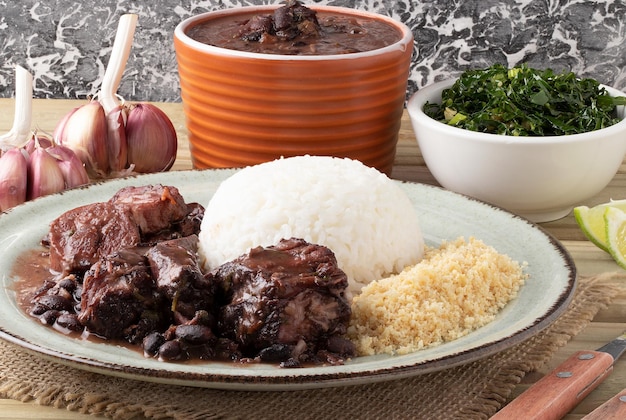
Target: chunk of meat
{"type": "Point", "coordinates": [288, 300]}
{"type": "Point", "coordinates": [81, 236]}
{"type": "Point", "coordinates": [119, 297]}
{"type": "Point", "coordinates": [293, 19]}
{"type": "Point", "coordinates": [174, 266]}
{"type": "Point", "coordinates": [134, 215]}
{"type": "Point", "coordinates": [153, 207]}
{"type": "Point", "coordinates": [189, 225]}
{"type": "Point", "coordinates": [287, 22]}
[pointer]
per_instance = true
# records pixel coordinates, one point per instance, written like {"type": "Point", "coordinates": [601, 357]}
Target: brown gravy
{"type": "Point", "coordinates": [340, 34]}
{"type": "Point", "coordinates": [31, 269]}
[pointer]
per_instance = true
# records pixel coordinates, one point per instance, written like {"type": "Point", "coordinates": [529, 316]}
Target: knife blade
{"type": "Point", "coordinates": [564, 387]}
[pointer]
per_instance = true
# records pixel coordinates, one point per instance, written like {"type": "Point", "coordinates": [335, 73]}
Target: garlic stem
{"type": "Point", "coordinates": [117, 62]}
{"type": "Point", "coordinates": [20, 132]}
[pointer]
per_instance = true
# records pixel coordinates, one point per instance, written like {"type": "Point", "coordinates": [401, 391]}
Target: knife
{"type": "Point", "coordinates": [557, 393]}
{"type": "Point", "coordinates": [613, 409]}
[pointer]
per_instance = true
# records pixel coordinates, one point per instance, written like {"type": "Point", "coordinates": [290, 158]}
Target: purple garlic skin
{"type": "Point", "coordinates": [151, 137]}
{"type": "Point", "coordinates": [13, 178]}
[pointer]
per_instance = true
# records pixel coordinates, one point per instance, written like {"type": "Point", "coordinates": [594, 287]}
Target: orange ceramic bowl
{"type": "Point", "coordinates": [246, 108]}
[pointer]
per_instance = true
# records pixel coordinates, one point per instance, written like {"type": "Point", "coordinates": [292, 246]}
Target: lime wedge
{"type": "Point", "coordinates": [615, 220]}
{"type": "Point", "coordinates": [592, 223]}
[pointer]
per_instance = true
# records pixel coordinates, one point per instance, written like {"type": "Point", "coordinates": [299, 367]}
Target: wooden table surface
{"type": "Point", "coordinates": [409, 165]}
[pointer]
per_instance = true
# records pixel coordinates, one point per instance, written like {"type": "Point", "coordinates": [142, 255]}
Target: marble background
{"type": "Point", "coordinates": [65, 44]}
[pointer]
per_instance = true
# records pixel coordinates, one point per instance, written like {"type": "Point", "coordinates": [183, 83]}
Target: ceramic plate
{"type": "Point", "coordinates": [444, 216]}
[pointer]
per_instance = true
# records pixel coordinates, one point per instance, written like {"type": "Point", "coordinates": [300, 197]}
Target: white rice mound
{"type": "Point", "coordinates": [364, 217]}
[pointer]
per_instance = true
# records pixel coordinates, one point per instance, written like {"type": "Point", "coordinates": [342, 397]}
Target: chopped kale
{"type": "Point", "coordinates": [522, 101]}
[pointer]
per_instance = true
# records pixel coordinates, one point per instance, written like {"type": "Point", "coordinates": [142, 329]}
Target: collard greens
{"type": "Point", "coordinates": [522, 101]}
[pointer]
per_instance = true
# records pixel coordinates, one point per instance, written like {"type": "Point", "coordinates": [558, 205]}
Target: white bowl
{"type": "Point", "coordinates": [539, 178]}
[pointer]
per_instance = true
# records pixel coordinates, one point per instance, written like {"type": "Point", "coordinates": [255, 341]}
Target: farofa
{"type": "Point", "coordinates": [454, 290]}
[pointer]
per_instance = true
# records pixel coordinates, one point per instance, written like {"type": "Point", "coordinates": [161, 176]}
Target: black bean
{"type": "Point", "coordinates": [56, 302]}
{"type": "Point", "coordinates": [68, 284]}
{"type": "Point", "coordinates": [47, 285]}
{"type": "Point", "coordinates": [38, 309]}
{"type": "Point", "coordinates": [340, 345]}
{"type": "Point", "coordinates": [152, 342]}
{"type": "Point", "coordinates": [194, 334]}
{"type": "Point", "coordinates": [61, 292]}
{"type": "Point", "coordinates": [50, 316]}
{"type": "Point", "coordinates": [69, 322]}
{"type": "Point", "coordinates": [171, 350]}
{"type": "Point", "coordinates": [276, 353]}
{"type": "Point", "coordinates": [291, 363]}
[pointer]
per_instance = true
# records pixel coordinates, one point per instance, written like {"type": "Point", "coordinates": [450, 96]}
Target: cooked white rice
{"type": "Point", "coordinates": [364, 217]}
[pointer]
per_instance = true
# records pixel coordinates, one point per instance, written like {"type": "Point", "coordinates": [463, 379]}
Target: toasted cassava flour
{"type": "Point", "coordinates": [454, 290]}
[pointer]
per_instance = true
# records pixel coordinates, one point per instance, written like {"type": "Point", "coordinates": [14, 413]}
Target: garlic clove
{"type": "Point", "coordinates": [85, 132]}
{"type": "Point", "coordinates": [58, 130]}
{"type": "Point", "coordinates": [44, 174]}
{"type": "Point", "coordinates": [151, 138]}
{"type": "Point", "coordinates": [13, 178]}
{"type": "Point", "coordinates": [118, 150]}
{"type": "Point", "coordinates": [38, 140]}
{"type": "Point", "coordinates": [72, 168]}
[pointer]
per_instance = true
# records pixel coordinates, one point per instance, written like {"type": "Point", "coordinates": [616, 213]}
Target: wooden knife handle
{"type": "Point", "coordinates": [558, 392]}
{"type": "Point", "coordinates": [613, 409]}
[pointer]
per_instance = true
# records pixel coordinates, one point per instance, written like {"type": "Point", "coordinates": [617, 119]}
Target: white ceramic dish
{"type": "Point", "coordinates": [540, 178]}
{"type": "Point", "coordinates": [444, 215]}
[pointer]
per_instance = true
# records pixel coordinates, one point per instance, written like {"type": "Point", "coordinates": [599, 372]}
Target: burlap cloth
{"type": "Point", "coordinates": [473, 391]}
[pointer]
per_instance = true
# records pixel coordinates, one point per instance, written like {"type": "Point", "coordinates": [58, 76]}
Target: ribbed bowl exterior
{"type": "Point", "coordinates": [247, 108]}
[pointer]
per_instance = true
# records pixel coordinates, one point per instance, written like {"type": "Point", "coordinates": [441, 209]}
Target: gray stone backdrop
{"type": "Point", "coordinates": [66, 44]}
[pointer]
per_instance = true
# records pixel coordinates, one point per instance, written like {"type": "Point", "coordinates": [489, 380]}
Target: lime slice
{"type": "Point", "coordinates": [615, 220]}
{"type": "Point", "coordinates": [591, 221]}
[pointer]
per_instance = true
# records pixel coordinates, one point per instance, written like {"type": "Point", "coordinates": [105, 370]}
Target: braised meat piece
{"type": "Point", "coordinates": [134, 215]}
{"type": "Point", "coordinates": [81, 236]}
{"type": "Point", "coordinates": [174, 266]}
{"type": "Point", "coordinates": [119, 297]}
{"type": "Point", "coordinates": [257, 27]}
{"type": "Point", "coordinates": [189, 225]}
{"type": "Point", "coordinates": [293, 20]}
{"type": "Point", "coordinates": [153, 207]}
{"type": "Point", "coordinates": [287, 23]}
{"type": "Point", "coordinates": [284, 302]}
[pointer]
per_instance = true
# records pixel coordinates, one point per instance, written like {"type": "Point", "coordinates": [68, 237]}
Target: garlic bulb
{"type": "Point", "coordinates": [31, 165]}
{"type": "Point", "coordinates": [113, 139]}
{"type": "Point", "coordinates": [37, 169]}
{"type": "Point", "coordinates": [13, 178]}
{"type": "Point", "coordinates": [139, 138]}
{"type": "Point", "coordinates": [151, 137]}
